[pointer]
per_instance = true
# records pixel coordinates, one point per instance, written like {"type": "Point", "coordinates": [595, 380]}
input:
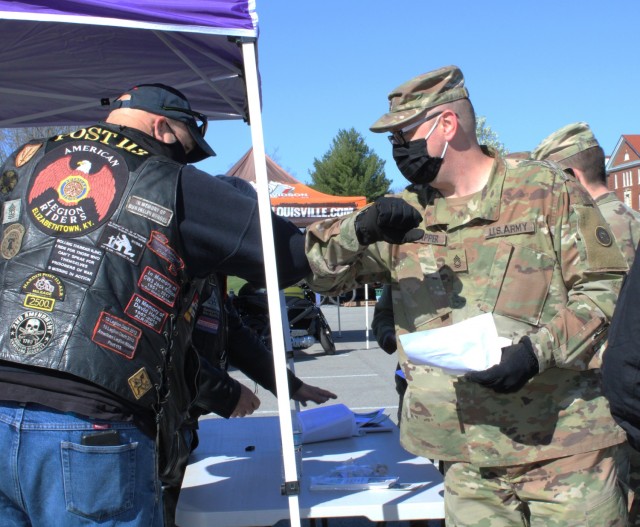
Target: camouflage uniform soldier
{"type": "Point", "coordinates": [575, 149]}
{"type": "Point", "coordinates": [529, 441]}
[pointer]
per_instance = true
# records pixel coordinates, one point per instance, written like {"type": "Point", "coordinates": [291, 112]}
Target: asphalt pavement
{"type": "Point", "coordinates": [360, 374]}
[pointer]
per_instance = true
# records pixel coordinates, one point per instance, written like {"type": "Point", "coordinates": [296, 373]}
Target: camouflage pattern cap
{"type": "Point", "coordinates": [564, 143]}
{"type": "Point", "coordinates": [412, 99]}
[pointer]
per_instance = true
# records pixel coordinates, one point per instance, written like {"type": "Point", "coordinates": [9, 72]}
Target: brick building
{"type": "Point", "coordinates": [623, 170]}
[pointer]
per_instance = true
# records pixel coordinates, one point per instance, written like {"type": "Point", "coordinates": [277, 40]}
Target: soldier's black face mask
{"type": "Point", "coordinates": [415, 163]}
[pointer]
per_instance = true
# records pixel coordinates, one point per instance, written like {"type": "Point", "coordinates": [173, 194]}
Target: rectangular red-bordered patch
{"type": "Point", "coordinates": [146, 312]}
{"type": "Point", "coordinates": [159, 286]}
{"type": "Point", "coordinates": [117, 335]}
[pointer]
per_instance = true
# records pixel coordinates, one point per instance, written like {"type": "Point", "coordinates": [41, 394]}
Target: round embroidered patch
{"type": "Point", "coordinates": [76, 188]}
{"type": "Point", "coordinates": [31, 332]}
{"type": "Point", "coordinates": [8, 181]}
{"type": "Point", "coordinates": [11, 240]}
{"type": "Point", "coordinates": [603, 236]}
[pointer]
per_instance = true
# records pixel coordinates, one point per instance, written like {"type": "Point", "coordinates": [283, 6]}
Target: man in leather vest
{"type": "Point", "coordinates": [107, 234]}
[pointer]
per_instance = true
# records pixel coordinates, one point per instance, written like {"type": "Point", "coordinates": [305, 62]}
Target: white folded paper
{"type": "Point", "coordinates": [334, 421]}
{"type": "Point", "coordinates": [471, 345]}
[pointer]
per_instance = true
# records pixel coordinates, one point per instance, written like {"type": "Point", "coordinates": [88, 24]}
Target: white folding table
{"type": "Point", "coordinates": [234, 478]}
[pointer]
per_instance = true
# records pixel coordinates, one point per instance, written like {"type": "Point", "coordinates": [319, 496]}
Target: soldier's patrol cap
{"type": "Point", "coordinates": [161, 99]}
{"type": "Point", "coordinates": [566, 142]}
{"type": "Point", "coordinates": [414, 98]}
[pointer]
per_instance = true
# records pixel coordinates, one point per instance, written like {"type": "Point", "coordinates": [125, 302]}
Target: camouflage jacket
{"type": "Point", "coordinates": [624, 223]}
{"type": "Point", "coordinates": [531, 248]}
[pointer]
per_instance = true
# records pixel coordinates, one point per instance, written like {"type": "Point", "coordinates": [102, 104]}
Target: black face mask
{"type": "Point", "coordinates": [415, 163]}
{"type": "Point", "coordinates": [177, 152]}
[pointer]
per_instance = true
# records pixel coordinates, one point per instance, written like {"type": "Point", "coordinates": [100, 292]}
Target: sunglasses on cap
{"type": "Point", "coordinates": [204, 121]}
{"type": "Point", "coordinates": [397, 137]}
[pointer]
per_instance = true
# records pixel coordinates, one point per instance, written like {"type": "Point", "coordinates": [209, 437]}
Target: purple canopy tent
{"type": "Point", "coordinates": [61, 61]}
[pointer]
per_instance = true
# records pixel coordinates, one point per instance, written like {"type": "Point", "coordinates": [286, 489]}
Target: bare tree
{"type": "Point", "coordinates": [12, 138]}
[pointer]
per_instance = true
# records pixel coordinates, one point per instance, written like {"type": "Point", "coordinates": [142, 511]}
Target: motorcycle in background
{"type": "Point", "coordinates": [307, 323]}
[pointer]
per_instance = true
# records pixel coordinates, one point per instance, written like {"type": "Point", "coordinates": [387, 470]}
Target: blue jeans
{"type": "Point", "coordinates": [49, 478]}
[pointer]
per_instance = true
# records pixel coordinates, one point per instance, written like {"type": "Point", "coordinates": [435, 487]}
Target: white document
{"type": "Point", "coordinates": [470, 345]}
{"type": "Point", "coordinates": [334, 421]}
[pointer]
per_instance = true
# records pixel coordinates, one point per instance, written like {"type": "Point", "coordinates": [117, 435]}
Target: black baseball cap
{"type": "Point", "coordinates": [161, 99]}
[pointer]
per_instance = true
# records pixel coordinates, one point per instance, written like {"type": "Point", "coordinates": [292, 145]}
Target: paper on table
{"type": "Point", "coordinates": [376, 421]}
{"type": "Point", "coordinates": [334, 421]}
{"type": "Point", "coordinates": [470, 345]}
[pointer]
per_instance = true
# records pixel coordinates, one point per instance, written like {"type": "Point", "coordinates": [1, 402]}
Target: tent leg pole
{"type": "Point", "coordinates": [273, 294]}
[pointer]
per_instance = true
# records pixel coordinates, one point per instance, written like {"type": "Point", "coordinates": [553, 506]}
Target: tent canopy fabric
{"type": "Point", "coordinates": [294, 200]}
{"type": "Point", "coordinates": [62, 60]}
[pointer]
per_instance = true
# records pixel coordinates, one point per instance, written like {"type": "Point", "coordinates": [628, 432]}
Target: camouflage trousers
{"type": "Point", "coordinates": [575, 491]}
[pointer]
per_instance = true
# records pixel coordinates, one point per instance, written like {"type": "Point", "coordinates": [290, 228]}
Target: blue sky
{"type": "Point", "coordinates": [531, 67]}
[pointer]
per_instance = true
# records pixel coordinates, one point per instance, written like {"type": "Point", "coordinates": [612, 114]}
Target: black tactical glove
{"type": "Point", "coordinates": [391, 220]}
{"type": "Point", "coordinates": [388, 342]}
{"type": "Point", "coordinates": [517, 365]}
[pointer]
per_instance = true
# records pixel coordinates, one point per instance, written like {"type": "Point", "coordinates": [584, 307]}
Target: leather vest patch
{"type": "Point", "coordinates": [146, 313]}
{"type": "Point", "coordinates": [150, 210]}
{"type": "Point", "coordinates": [11, 240]}
{"type": "Point", "coordinates": [159, 244]}
{"type": "Point", "coordinates": [44, 284]}
{"type": "Point", "coordinates": [122, 242]}
{"type": "Point", "coordinates": [75, 189]}
{"type": "Point", "coordinates": [140, 383]}
{"type": "Point", "coordinates": [11, 211]}
{"type": "Point", "coordinates": [117, 335]}
{"type": "Point", "coordinates": [75, 260]}
{"type": "Point", "coordinates": [159, 286]}
{"type": "Point", "coordinates": [31, 332]}
{"type": "Point", "coordinates": [26, 154]}
{"type": "Point", "coordinates": [8, 181]}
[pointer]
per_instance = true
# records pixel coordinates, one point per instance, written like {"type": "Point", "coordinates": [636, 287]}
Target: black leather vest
{"type": "Point", "coordinates": [93, 282]}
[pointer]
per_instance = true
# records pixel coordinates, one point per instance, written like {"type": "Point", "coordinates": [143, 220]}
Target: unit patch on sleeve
{"type": "Point", "coordinates": [11, 211]}
{"type": "Point", "coordinates": [123, 242]}
{"type": "Point", "coordinates": [603, 236]}
{"type": "Point", "coordinates": [75, 189]}
{"type": "Point", "coordinates": [159, 286]}
{"type": "Point", "coordinates": [117, 335]}
{"type": "Point", "coordinates": [31, 332]}
{"type": "Point", "coordinates": [150, 210]}
{"type": "Point", "coordinates": [75, 260]}
{"type": "Point", "coordinates": [147, 313]}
